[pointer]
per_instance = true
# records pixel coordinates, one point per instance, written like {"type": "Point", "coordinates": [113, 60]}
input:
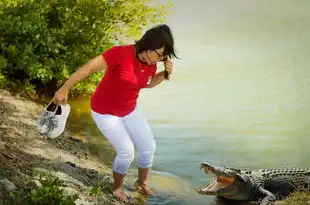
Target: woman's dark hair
{"type": "Point", "coordinates": [156, 38]}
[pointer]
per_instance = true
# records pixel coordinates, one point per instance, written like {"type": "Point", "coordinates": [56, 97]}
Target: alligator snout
{"type": "Point", "coordinates": [206, 167]}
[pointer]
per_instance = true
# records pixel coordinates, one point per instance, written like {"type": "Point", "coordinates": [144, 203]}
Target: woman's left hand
{"type": "Point", "coordinates": [168, 67]}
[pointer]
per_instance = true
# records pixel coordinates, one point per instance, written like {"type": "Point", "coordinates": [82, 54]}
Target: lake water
{"type": "Point", "coordinates": [239, 95]}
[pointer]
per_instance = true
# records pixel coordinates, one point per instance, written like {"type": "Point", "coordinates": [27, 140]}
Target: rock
{"type": "Point", "coordinates": [71, 164]}
{"type": "Point", "coordinates": [70, 191]}
{"type": "Point", "coordinates": [8, 185]}
{"type": "Point", "coordinates": [75, 139]}
{"type": "Point", "coordinates": [280, 203]}
{"type": "Point", "coordinates": [83, 202]}
{"type": "Point", "coordinates": [34, 184]}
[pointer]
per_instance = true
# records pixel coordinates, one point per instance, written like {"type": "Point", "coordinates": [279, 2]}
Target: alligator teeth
{"type": "Point", "coordinates": [202, 166]}
{"type": "Point", "coordinates": [206, 169]}
{"type": "Point", "coordinates": [203, 191]}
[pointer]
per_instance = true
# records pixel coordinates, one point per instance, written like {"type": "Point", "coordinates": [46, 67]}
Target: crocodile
{"type": "Point", "coordinates": [264, 186]}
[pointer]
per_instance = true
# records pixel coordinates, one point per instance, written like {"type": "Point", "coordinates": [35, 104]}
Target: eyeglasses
{"type": "Point", "coordinates": [161, 57]}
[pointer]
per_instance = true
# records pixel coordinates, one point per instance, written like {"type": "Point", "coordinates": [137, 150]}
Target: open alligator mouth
{"type": "Point", "coordinates": [216, 183]}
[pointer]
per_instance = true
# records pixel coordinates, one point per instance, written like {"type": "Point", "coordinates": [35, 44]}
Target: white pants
{"type": "Point", "coordinates": [124, 133]}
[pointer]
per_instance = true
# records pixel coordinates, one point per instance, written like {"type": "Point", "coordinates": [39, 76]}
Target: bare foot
{"type": "Point", "coordinates": [143, 188]}
{"type": "Point", "coordinates": [119, 194]}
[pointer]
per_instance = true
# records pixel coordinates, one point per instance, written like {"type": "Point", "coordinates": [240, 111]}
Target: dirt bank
{"type": "Point", "coordinates": [23, 152]}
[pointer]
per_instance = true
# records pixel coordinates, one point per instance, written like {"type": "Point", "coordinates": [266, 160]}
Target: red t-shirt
{"type": "Point", "coordinates": [118, 90]}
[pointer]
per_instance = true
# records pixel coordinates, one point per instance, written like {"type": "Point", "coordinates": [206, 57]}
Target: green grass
{"type": "Point", "coordinates": [299, 198]}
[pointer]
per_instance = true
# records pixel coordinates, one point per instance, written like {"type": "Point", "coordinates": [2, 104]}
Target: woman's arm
{"type": "Point", "coordinates": [157, 79]}
{"type": "Point", "coordinates": [96, 64]}
{"type": "Point", "coordinates": [160, 76]}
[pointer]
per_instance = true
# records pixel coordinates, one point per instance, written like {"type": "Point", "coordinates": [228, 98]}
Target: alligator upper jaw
{"type": "Point", "coordinates": [206, 168]}
{"type": "Point", "coordinates": [220, 181]}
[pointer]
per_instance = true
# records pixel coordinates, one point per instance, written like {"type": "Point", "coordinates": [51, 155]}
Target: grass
{"type": "Point", "coordinates": [100, 188]}
{"type": "Point", "coordinates": [299, 198]}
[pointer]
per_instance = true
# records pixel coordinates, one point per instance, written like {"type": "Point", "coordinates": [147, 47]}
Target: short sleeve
{"type": "Point", "coordinates": [112, 56]}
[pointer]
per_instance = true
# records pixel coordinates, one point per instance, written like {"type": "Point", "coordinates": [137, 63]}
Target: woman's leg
{"type": "Point", "coordinates": [113, 129]}
{"type": "Point", "coordinates": [142, 136]}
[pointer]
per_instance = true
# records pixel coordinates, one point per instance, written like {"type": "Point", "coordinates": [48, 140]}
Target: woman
{"type": "Point", "coordinates": [129, 68]}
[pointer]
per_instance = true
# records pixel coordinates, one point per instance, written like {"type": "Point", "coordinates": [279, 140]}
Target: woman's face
{"type": "Point", "coordinates": [152, 56]}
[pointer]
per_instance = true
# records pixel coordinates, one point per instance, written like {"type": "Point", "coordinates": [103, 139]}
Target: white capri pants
{"type": "Point", "coordinates": [125, 133]}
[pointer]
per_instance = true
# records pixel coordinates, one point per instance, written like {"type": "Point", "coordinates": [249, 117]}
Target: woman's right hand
{"type": "Point", "coordinates": [61, 96]}
{"type": "Point", "coordinates": [96, 64]}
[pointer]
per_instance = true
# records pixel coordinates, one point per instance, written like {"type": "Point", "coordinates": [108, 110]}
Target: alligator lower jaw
{"type": "Point", "coordinates": [212, 188]}
{"type": "Point", "coordinates": [202, 191]}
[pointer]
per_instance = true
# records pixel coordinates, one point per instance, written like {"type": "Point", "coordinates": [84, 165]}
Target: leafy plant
{"type": "Point", "coordinates": [51, 192]}
{"type": "Point", "coordinates": [42, 42]}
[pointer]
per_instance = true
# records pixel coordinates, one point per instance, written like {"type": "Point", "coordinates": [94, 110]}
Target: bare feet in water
{"type": "Point", "coordinates": [143, 188]}
{"type": "Point", "coordinates": [120, 194]}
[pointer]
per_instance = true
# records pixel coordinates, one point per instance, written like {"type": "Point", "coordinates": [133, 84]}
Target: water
{"type": "Point", "coordinates": [239, 95]}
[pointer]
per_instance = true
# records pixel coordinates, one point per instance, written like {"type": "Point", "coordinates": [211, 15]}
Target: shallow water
{"type": "Point", "coordinates": [239, 95]}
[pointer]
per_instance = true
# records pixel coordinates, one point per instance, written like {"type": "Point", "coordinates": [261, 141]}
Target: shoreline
{"type": "Point", "coordinates": [23, 151]}
{"type": "Point", "coordinates": [25, 154]}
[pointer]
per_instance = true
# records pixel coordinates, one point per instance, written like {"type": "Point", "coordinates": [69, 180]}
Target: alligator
{"type": "Point", "coordinates": [264, 186]}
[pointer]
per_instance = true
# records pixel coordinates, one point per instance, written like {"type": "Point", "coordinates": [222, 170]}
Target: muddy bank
{"type": "Point", "coordinates": [66, 167]}
{"type": "Point", "coordinates": [24, 153]}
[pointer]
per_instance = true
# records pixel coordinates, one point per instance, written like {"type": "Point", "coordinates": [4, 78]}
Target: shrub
{"type": "Point", "coordinates": [51, 192]}
{"type": "Point", "coordinates": [43, 41]}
